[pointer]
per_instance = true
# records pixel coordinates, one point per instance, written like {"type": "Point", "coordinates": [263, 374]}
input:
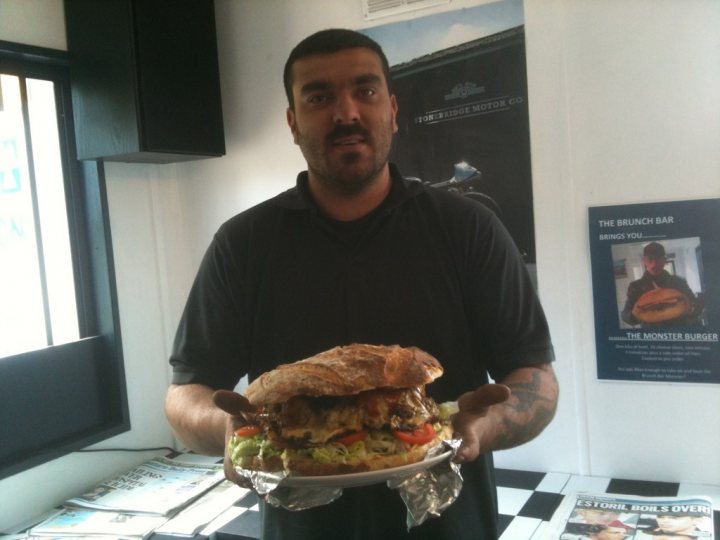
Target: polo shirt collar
{"type": "Point", "coordinates": [299, 198]}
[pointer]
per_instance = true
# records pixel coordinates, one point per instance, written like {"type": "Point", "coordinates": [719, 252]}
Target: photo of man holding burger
{"type": "Point", "coordinates": [380, 292]}
{"type": "Point", "coordinates": [658, 297]}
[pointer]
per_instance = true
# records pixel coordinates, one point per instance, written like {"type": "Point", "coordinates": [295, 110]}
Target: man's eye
{"type": "Point", "coordinates": [367, 92]}
{"type": "Point", "coordinates": [317, 99]}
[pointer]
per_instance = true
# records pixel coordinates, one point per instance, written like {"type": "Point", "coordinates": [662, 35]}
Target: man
{"type": "Point", "coordinates": [656, 277]}
{"type": "Point", "coordinates": [674, 524]}
{"type": "Point", "coordinates": [356, 253]}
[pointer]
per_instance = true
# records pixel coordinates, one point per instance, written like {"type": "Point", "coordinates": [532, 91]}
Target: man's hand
{"type": "Point", "coordinates": [195, 420]}
{"type": "Point", "coordinates": [238, 409]}
{"type": "Point", "coordinates": [472, 409]}
{"type": "Point", "coordinates": [499, 416]}
{"type": "Point", "coordinates": [204, 419]}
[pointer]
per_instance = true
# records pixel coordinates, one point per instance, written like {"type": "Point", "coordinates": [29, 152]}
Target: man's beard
{"type": "Point", "coordinates": [349, 173]}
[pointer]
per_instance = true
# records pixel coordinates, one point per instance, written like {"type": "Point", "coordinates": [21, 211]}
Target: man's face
{"type": "Point", "coordinates": [654, 265]}
{"type": "Point", "coordinates": [343, 117]}
{"type": "Point", "coordinates": [598, 517]}
{"type": "Point", "coordinates": [676, 524]}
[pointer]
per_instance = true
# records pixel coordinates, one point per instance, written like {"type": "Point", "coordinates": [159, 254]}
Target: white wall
{"type": "Point", "coordinates": [33, 22]}
{"type": "Point", "coordinates": [635, 88]}
{"type": "Point", "coordinates": [623, 103]}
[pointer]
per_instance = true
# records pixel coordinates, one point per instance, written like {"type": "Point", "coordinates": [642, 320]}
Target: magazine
{"type": "Point", "coordinates": [160, 486]}
{"type": "Point", "coordinates": [77, 522]}
{"type": "Point", "coordinates": [587, 516]}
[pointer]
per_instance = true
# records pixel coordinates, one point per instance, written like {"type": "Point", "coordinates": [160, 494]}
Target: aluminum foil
{"type": "Point", "coordinates": [267, 485]}
{"type": "Point", "coordinates": [426, 493]}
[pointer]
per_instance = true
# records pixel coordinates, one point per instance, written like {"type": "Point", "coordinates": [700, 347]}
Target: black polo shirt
{"type": "Point", "coordinates": [281, 282]}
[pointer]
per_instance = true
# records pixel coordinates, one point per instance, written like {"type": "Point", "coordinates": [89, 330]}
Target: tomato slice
{"type": "Point", "coordinates": [422, 435]}
{"type": "Point", "coordinates": [347, 440]}
{"type": "Point", "coordinates": [248, 430]}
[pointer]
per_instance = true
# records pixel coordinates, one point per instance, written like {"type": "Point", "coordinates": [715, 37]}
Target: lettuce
{"type": "Point", "coordinates": [267, 449]}
{"type": "Point", "coordinates": [241, 447]}
{"type": "Point", "coordinates": [383, 443]}
{"type": "Point", "coordinates": [357, 451]}
{"type": "Point", "coordinates": [330, 453]}
{"type": "Point", "coordinates": [339, 453]}
{"type": "Point", "coordinates": [447, 410]}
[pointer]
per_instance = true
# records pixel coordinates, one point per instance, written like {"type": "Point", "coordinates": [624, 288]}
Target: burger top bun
{"type": "Point", "coordinates": [344, 371]}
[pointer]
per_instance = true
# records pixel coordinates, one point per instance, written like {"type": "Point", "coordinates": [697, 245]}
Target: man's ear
{"type": "Point", "coordinates": [292, 122]}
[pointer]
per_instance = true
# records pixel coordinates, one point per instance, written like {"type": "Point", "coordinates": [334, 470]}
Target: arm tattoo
{"type": "Point", "coordinates": [530, 408]}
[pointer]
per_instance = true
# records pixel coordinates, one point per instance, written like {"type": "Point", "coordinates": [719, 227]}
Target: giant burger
{"type": "Point", "coordinates": [660, 305]}
{"type": "Point", "coordinates": [349, 409]}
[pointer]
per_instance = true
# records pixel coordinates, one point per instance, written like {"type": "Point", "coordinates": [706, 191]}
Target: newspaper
{"type": "Point", "coordinates": [204, 510]}
{"type": "Point", "coordinates": [588, 516]}
{"type": "Point", "coordinates": [78, 522]}
{"type": "Point", "coordinates": [160, 486]}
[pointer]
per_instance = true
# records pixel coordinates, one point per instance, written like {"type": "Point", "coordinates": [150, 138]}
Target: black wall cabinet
{"type": "Point", "coordinates": [145, 80]}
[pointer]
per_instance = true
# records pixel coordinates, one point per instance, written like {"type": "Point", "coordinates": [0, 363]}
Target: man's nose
{"type": "Point", "coordinates": [346, 109]}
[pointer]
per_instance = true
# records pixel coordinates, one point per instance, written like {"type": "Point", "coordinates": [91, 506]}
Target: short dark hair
{"type": "Point", "coordinates": [330, 41]}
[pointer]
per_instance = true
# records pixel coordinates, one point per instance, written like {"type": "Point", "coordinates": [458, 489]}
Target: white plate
{"type": "Point", "coordinates": [363, 478]}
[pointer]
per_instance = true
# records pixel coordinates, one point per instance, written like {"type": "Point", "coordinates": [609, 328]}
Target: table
{"type": "Point", "coordinates": [526, 501]}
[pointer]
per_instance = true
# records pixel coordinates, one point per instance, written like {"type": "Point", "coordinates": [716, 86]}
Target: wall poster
{"type": "Point", "coordinates": [656, 290]}
{"type": "Point", "coordinates": [461, 83]}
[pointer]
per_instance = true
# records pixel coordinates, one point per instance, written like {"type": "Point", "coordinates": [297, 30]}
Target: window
{"type": "Point", "coordinates": [61, 375]}
{"type": "Point", "coordinates": [36, 282]}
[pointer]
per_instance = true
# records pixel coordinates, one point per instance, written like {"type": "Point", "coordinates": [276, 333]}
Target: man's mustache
{"type": "Point", "coordinates": [345, 130]}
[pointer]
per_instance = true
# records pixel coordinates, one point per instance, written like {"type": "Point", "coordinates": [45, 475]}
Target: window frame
{"type": "Point", "coordinates": [62, 398]}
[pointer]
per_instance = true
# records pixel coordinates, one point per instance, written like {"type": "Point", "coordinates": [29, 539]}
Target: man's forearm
{"type": "Point", "coordinates": [527, 412]}
{"type": "Point", "coordinates": [195, 419]}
